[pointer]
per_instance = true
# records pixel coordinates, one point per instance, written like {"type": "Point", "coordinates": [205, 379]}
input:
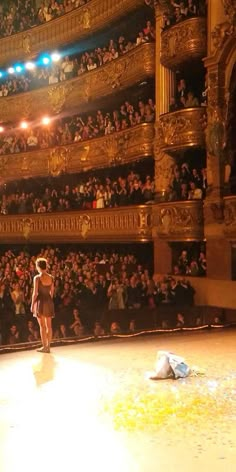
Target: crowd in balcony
{"type": "Point", "coordinates": [87, 285]}
{"type": "Point", "coordinates": [68, 67]}
{"type": "Point", "coordinates": [185, 97]}
{"type": "Point", "coordinates": [187, 184]}
{"type": "Point", "coordinates": [191, 263]}
{"type": "Point", "coordinates": [76, 128]}
{"type": "Point", "coordinates": [91, 192]}
{"type": "Point", "coordinates": [182, 10]}
{"type": "Point", "coordinates": [20, 15]}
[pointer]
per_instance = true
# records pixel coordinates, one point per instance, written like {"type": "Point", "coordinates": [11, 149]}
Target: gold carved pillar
{"type": "Point", "coordinates": [165, 78]}
{"type": "Point", "coordinates": [217, 166]}
{"type": "Point", "coordinates": [164, 163]}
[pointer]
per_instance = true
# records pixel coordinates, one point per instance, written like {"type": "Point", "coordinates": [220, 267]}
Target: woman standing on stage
{"type": "Point", "coordinates": [42, 305]}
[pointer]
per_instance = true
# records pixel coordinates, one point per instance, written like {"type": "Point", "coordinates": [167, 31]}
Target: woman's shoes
{"type": "Point", "coordinates": [42, 349]}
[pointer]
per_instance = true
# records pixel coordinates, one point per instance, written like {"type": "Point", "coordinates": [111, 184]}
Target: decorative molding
{"type": "Point", "coordinates": [230, 10]}
{"type": "Point", "coordinates": [118, 224]}
{"type": "Point", "coordinates": [179, 221]}
{"type": "Point", "coordinates": [135, 66]}
{"type": "Point", "coordinates": [183, 42]}
{"type": "Point", "coordinates": [164, 171]}
{"type": "Point", "coordinates": [226, 29]}
{"type": "Point", "coordinates": [230, 216]}
{"type": "Point", "coordinates": [173, 221]}
{"type": "Point", "coordinates": [123, 147]}
{"type": "Point", "coordinates": [181, 129]}
{"type": "Point", "coordinates": [64, 30]}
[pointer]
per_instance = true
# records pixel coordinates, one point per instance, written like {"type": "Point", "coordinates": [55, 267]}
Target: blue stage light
{"type": "Point", "coordinates": [11, 70]}
{"type": "Point", "coordinates": [45, 60]}
{"type": "Point", "coordinates": [1, 74]}
{"type": "Point", "coordinates": [19, 68]}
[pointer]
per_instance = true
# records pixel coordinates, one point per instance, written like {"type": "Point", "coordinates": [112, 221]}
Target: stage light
{"type": "Point", "coordinates": [24, 125]}
{"type": "Point", "coordinates": [45, 121]}
{"type": "Point", "coordinates": [11, 70]}
{"type": "Point", "coordinates": [45, 60]}
{"type": "Point", "coordinates": [1, 129]}
{"type": "Point", "coordinates": [30, 65]}
{"type": "Point", "coordinates": [1, 74]}
{"type": "Point", "coordinates": [55, 56]}
{"type": "Point", "coordinates": [19, 68]}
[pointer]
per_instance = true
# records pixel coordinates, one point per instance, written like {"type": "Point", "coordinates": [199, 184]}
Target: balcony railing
{"type": "Point", "coordinates": [118, 148]}
{"type": "Point", "coordinates": [132, 223]}
{"type": "Point", "coordinates": [230, 216]}
{"type": "Point", "coordinates": [123, 72]}
{"type": "Point", "coordinates": [174, 221]}
{"type": "Point", "coordinates": [181, 129]}
{"type": "Point", "coordinates": [179, 221]}
{"type": "Point", "coordinates": [70, 27]}
{"type": "Point", "coordinates": [183, 42]}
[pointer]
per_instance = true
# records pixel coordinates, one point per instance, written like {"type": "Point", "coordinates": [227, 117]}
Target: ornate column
{"type": "Point", "coordinates": [217, 165]}
{"type": "Point", "coordinates": [165, 78]}
{"type": "Point", "coordinates": [164, 163]}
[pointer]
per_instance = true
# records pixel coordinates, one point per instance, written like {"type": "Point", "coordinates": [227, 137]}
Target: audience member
{"type": "Point", "coordinates": [182, 10]}
{"type": "Point", "coordinates": [76, 128]}
{"type": "Point", "coordinates": [20, 15]}
{"type": "Point", "coordinates": [191, 264]}
{"type": "Point", "coordinates": [85, 282]}
{"type": "Point", "coordinates": [69, 67]}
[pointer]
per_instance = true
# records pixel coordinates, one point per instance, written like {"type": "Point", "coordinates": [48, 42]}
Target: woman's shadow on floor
{"type": "Point", "coordinates": [44, 370]}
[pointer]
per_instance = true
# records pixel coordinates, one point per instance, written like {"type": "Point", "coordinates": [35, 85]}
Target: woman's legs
{"type": "Point", "coordinates": [45, 324]}
{"type": "Point", "coordinates": [48, 323]}
{"type": "Point", "coordinates": [43, 333]}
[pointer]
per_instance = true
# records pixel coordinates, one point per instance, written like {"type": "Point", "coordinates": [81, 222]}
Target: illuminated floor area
{"type": "Point", "coordinates": [91, 407]}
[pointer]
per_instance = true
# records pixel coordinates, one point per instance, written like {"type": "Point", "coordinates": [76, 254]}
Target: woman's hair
{"type": "Point", "coordinates": [41, 263]}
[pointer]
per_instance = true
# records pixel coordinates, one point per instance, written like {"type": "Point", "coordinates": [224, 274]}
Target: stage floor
{"type": "Point", "coordinates": [91, 407]}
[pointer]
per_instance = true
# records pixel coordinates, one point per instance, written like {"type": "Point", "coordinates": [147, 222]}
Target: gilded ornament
{"type": "Point", "coordinates": [58, 161]}
{"type": "Point", "coordinates": [183, 40]}
{"type": "Point", "coordinates": [230, 211]}
{"type": "Point", "coordinates": [179, 129]}
{"type": "Point", "coordinates": [221, 33]}
{"type": "Point", "coordinates": [85, 225]}
{"type": "Point", "coordinates": [230, 10]}
{"type": "Point", "coordinates": [27, 43]}
{"type": "Point", "coordinates": [27, 227]}
{"type": "Point", "coordinates": [57, 96]}
{"type": "Point", "coordinates": [164, 170]}
{"type": "Point", "coordinates": [86, 19]}
{"type": "Point", "coordinates": [215, 135]}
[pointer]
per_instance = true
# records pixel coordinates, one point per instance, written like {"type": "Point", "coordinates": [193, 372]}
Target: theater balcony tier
{"type": "Point", "coordinates": [179, 221]}
{"type": "Point", "coordinates": [181, 129]}
{"type": "Point", "coordinates": [119, 224]}
{"type": "Point", "coordinates": [115, 149]}
{"type": "Point", "coordinates": [230, 217]}
{"type": "Point", "coordinates": [133, 67]}
{"type": "Point", "coordinates": [73, 26]}
{"type": "Point", "coordinates": [184, 42]}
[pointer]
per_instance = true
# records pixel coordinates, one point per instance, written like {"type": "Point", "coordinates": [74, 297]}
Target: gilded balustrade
{"type": "Point", "coordinates": [179, 221]}
{"type": "Point", "coordinates": [118, 224]}
{"type": "Point", "coordinates": [73, 26]}
{"type": "Point", "coordinates": [118, 148]}
{"type": "Point", "coordinates": [230, 217]}
{"type": "Point", "coordinates": [123, 72]}
{"type": "Point", "coordinates": [174, 221]}
{"type": "Point", "coordinates": [181, 129]}
{"type": "Point", "coordinates": [184, 42]}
